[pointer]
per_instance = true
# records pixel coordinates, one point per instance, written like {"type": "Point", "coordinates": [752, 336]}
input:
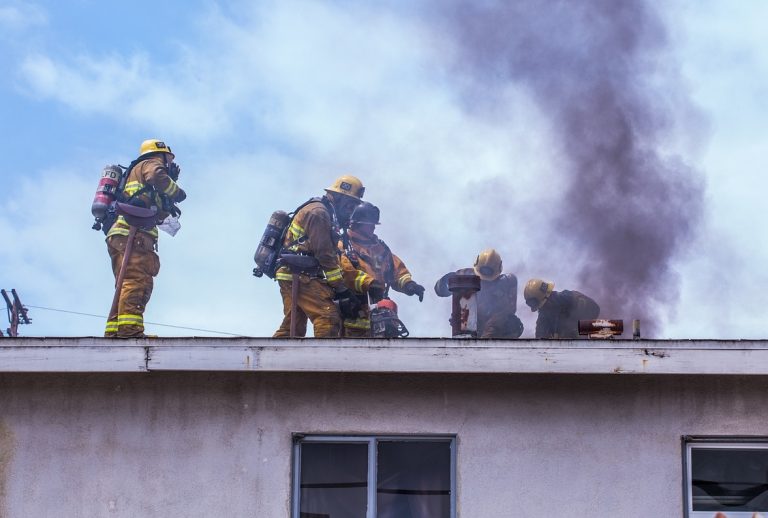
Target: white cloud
{"type": "Point", "coordinates": [131, 89]}
{"type": "Point", "coordinates": [366, 98]}
{"type": "Point", "coordinates": [54, 260]}
{"type": "Point", "coordinates": [88, 85]}
{"type": "Point", "coordinates": [263, 112]}
{"type": "Point", "coordinates": [725, 62]}
{"type": "Point", "coordinates": [17, 16]}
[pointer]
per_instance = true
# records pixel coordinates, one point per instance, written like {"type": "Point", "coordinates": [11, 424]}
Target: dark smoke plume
{"type": "Point", "coordinates": [600, 71]}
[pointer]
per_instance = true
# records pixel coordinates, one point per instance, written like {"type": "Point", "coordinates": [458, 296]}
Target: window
{"type": "Point", "coordinates": [726, 475]}
{"type": "Point", "coordinates": [374, 477]}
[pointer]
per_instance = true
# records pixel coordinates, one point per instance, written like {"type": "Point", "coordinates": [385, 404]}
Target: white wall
{"type": "Point", "coordinates": [219, 444]}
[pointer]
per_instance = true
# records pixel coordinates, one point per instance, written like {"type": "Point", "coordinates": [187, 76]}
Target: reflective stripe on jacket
{"type": "Point", "coordinates": [311, 232]}
{"type": "Point", "coordinates": [377, 261]}
{"type": "Point", "coordinates": [357, 280]}
{"type": "Point", "coordinates": [150, 172]}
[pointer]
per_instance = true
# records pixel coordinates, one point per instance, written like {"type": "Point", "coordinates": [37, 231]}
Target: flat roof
{"type": "Point", "coordinates": [412, 355]}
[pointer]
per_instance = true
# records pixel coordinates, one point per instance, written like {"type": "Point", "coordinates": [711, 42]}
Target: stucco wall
{"type": "Point", "coordinates": [218, 444]}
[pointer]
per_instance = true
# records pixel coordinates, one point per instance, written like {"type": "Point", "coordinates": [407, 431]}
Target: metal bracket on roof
{"type": "Point", "coordinates": [17, 313]}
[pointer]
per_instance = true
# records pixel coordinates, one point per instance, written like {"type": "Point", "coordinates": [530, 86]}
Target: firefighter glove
{"type": "Point", "coordinates": [349, 304]}
{"type": "Point", "coordinates": [174, 171]}
{"type": "Point", "coordinates": [376, 291]}
{"type": "Point", "coordinates": [414, 288]}
{"type": "Point", "coordinates": [181, 195]}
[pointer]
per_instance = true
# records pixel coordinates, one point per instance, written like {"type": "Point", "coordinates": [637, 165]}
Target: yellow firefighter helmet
{"type": "Point", "coordinates": [488, 265]}
{"type": "Point", "coordinates": [349, 186]}
{"type": "Point", "coordinates": [154, 145]}
{"type": "Point", "coordinates": [537, 292]}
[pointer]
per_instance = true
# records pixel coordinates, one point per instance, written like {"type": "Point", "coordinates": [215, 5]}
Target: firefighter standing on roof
{"type": "Point", "coordinates": [314, 231]}
{"type": "Point", "coordinates": [496, 300]}
{"type": "Point", "coordinates": [559, 312]}
{"type": "Point", "coordinates": [375, 269]}
{"type": "Point", "coordinates": [148, 182]}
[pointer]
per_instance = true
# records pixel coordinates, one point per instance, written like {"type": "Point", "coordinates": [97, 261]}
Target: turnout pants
{"type": "Point", "coordinates": [359, 327]}
{"type": "Point", "coordinates": [315, 302]}
{"type": "Point", "coordinates": [143, 265]}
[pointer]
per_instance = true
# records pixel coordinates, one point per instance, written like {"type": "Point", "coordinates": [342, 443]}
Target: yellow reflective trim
{"type": "Point", "coordinates": [132, 323]}
{"type": "Point", "coordinates": [404, 279]}
{"type": "Point", "coordinates": [132, 187]}
{"type": "Point", "coordinates": [359, 323]}
{"type": "Point", "coordinates": [111, 326]}
{"type": "Point", "coordinates": [121, 228]}
{"type": "Point", "coordinates": [128, 320]}
{"type": "Point", "coordinates": [171, 189]}
{"type": "Point", "coordinates": [359, 280]}
{"type": "Point", "coordinates": [295, 233]}
{"type": "Point", "coordinates": [297, 230]}
{"type": "Point", "coordinates": [284, 274]}
{"type": "Point", "coordinates": [333, 275]}
{"type": "Point", "coordinates": [117, 230]}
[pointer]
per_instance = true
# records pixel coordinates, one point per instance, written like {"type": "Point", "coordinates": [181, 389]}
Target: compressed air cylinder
{"type": "Point", "coordinates": [106, 192]}
{"type": "Point", "coordinates": [269, 247]}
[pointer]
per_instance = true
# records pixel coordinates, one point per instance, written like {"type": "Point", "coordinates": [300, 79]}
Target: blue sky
{"type": "Point", "coordinates": [265, 103]}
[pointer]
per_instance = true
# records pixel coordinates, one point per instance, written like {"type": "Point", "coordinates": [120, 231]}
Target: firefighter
{"type": "Point", "coordinates": [149, 183]}
{"type": "Point", "coordinates": [371, 268]}
{"type": "Point", "coordinates": [315, 232]}
{"type": "Point", "coordinates": [559, 312]}
{"type": "Point", "coordinates": [496, 300]}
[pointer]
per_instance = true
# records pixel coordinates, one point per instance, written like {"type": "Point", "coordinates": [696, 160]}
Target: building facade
{"type": "Point", "coordinates": [390, 429]}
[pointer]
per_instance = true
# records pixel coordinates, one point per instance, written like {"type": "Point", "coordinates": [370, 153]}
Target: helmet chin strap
{"type": "Point", "coordinates": [343, 213]}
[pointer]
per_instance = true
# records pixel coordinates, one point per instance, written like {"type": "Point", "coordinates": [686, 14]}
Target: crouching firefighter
{"type": "Point", "coordinates": [145, 197]}
{"type": "Point", "coordinates": [309, 272]}
{"type": "Point", "coordinates": [373, 269]}
{"type": "Point", "coordinates": [497, 299]}
{"type": "Point", "coordinates": [559, 311]}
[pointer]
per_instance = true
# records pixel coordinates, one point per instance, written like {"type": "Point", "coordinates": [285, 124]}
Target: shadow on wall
{"type": "Point", "coordinates": [6, 455]}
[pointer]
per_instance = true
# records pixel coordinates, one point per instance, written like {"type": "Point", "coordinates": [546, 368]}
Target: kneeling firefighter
{"type": "Point", "coordinates": [496, 300]}
{"type": "Point", "coordinates": [375, 270]}
{"type": "Point", "coordinates": [559, 311]}
{"type": "Point", "coordinates": [310, 259]}
{"type": "Point", "coordinates": [148, 185]}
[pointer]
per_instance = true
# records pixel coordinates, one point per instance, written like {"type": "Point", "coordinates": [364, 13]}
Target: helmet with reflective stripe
{"type": "Point", "coordinates": [488, 265]}
{"type": "Point", "coordinates": [366, 212]}
{"type": "Point", "coordinates": [154, 145]}
{"type": "Point", "coordinates": [537, 292]}
{"type": "Point", "coordinates": [348, 186]}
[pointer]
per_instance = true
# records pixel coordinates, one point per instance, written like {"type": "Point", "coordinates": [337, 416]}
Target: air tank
{"type": "Point", "coordinates": [106, 192]}
{"type": "Point", "coordinates": [271, 242]}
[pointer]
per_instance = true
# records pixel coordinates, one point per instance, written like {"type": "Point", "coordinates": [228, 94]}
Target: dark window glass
{"type": "Point", "coordinates": [333, 480]}
{"type": "Point", "coordinates": [729, 479]}
{"type": "Point", "coordinates": [414, 479]}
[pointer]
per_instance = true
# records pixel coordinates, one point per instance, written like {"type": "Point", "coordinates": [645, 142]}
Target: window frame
{"type": "Point", "coordinates": [372, 480]}
{"type": "Point", "coordinates": [689, 442]}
